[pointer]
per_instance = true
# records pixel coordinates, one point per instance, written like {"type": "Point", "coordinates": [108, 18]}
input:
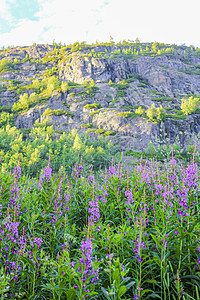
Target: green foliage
{"type": "Point", "coordinates": [95, 112]}
{"type": "Point", "coordinates": [99, 131]}
{"type": "Point", "coordinates": [125, 114]}
{"type": "Point", "coordinates": [93, 105]}
{"type": "Point", "coordinates": [151, 112]}
{"type": "Point", "coordinates": [188, 106]}
{"type": "Point", "coordinates": [51, 84]}
{"type": "Point", "coordinates": [139, 111]}
{"type": "Point", "coordinates": [6, 65]}
{"type": "Point", "coordinates": [155, 114]}
{"type": "Point", "coordinates": [121, 88]}
{"type": "Point", "coordinates": [175, 116]}
{"type": "Point", "coordinates": [22, 105]}
{"type": "Point", "coordinates": [25, 102]}
{"type": "Point", "coordinates": [5, 108]}
{"type": "Point", "coordinates": [163, 99]}
{"type": "Point", "coordinates": [109, 132]}
{"type": "Point", "coordinates": [88, 125]}
{"type": "Point", "coordinates": [57, 112]}
{"type": "Point", "coordinates": [76, 47]}
{"type": "Point", "coordinates": [125, 228]}
{"type": "Point", "coordinates": [6, 119]}
{"type": "Point", "coordinates": [34, 152]}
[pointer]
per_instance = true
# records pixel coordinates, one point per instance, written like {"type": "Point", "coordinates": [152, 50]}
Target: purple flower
{"type": "Point", "coordinates": [38, 241]}
{"type": "Point", "coordinates": [17, 171]}
{"type": "Point", "coordinates": [94, 210]}
{"type": "Point", "coordinates": [46, 174]}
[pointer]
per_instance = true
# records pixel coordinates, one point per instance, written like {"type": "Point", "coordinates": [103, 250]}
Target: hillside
{"type": "Point", "coordinates": [129, 92]}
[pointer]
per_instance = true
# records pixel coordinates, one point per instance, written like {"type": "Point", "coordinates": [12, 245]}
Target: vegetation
{"type": "Point", "coordinates": [73, 224]}
{"type": "Point", "coordinates": [155, 114]}
{"type": "Point", "coordinates": [93, 105]}
{"type": "Point", "coordinates": [190, 105]}
{"type": "Point", "coordinates": [124, 236]}
{"type": "Point", "coordinates": [6, 65]}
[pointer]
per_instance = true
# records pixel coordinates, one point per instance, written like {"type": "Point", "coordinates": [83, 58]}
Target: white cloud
{"type": "Point", "coordinates": [25, 33]}
{"type": "Point", "coordinates": [90, 20]}
{"type": "Point", "coordinates": [5, 11]}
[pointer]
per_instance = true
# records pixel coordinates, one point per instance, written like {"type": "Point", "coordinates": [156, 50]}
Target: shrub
{"type": "Point", "coordinates": [6, 65]}
{"type": "Point", "coordinates": [93, 105]}
{"type": "Point", "coordinates": [88, 125]}
{"type": "Point", "coordinates": [139, 111]}
{"type": "Point", "coordinates": [5, 108]}
{"type": "Point", "coordinates": [162, 99]}
{"type": "Point", "coordinates": [189, 105]}
{"type": "Point", "coordinates": [48, 112]}
{"type": "Point", "coordinates": [99, 131]}
{"type": "Point", "coordinates": [109, 132]}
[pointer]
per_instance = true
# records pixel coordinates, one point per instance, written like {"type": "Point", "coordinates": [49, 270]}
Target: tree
{"type": "Point", "coordinates": [189, 105]}
{"type": "Point", "coordinates": [137, 40]}
{"type": "Point", "coordinates": [23, 103]}
{"type": "Point", "coordinates": [64, 86]}
{"type": "Point", "coordinates": [154, 47]}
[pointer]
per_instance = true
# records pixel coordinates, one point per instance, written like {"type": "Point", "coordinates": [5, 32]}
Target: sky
{"type": "Point", "coordinates": [24, 22]}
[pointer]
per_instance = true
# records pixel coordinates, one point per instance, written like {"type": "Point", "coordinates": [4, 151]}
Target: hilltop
{"type": "Point", "coordinates": [132, 93]}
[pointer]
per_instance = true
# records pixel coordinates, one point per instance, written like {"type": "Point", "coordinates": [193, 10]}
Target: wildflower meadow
{"type": "Point", "coordinates": [124, 236]}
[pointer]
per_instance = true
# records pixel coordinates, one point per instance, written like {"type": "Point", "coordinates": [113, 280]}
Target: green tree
{"type": "Point", "coordinates": [189, 105]}
{"type": "Point", "coordinates": [64, 86]}
{"type": "Point", "coordinates": [154, 47]}
{"type": "Point", "coordinates": [22, 105]}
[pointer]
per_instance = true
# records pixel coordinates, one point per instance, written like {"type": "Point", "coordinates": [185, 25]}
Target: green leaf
{"type": "Point", "coordinates": [116, 278]}
{"type": "Point", "coordinates": [121, 291]}
{"type": "Point", "coordinates": [28, 261]}
{"type": "Point", "coordinates": [105, 293]}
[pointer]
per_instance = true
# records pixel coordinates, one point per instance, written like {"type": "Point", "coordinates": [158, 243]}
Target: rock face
{"type": "Point", "coordinates": [122, 82]}
{"type": "Point", "coordinates": [100, 70]}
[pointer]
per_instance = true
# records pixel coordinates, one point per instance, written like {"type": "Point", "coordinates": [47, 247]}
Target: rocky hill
{"type": "Point", "coordinates": [130, 92]}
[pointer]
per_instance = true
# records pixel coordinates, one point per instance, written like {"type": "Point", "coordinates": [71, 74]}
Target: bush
{"type": "Point", "coordinates": [93, 105]}
{"type": "Point", "coordinates": [6, 65]}
{"type": "Point", "coordinates": [189, 105]}
{"type": "Point", "coordinates": [99, 131]}
{"type": "Point", "coordinates": [109, 132]}
{"type": "Point", "coordinates": [139, 111]}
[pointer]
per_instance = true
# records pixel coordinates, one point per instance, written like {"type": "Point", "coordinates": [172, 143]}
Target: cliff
{"type": "Point", "coordinates": [97, 89]}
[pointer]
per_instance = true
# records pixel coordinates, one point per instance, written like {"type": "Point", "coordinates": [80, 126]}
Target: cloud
{"type": "Point", "coordinates": [5, 11]}
{"type": "Point", "coordinates": [25, 33]}
{"type": "Point", "coordinates": [70, 21]}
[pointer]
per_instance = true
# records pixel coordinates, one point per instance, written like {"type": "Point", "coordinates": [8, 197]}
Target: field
{"type": "Point", "coordinates": [126, 236]}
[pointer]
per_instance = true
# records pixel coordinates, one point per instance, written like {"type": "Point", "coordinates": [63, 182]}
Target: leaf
{"type": "Point", "coordinates": [151, 281]}
{"type": "Point", "coordinates": [28, 261]}
{"type": "Point", "coordinates": [145, 291]}
{"type": "Point", "coordinates": [105, 293]}
{"type": "Point", "coordinates": [122, 291]}
{"type": "Point", "coordinates": [130, 284]}
{"type": "Point", "coordinates": [116, 278]}
{"type": "Point", "coordinates": [154, 296]}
